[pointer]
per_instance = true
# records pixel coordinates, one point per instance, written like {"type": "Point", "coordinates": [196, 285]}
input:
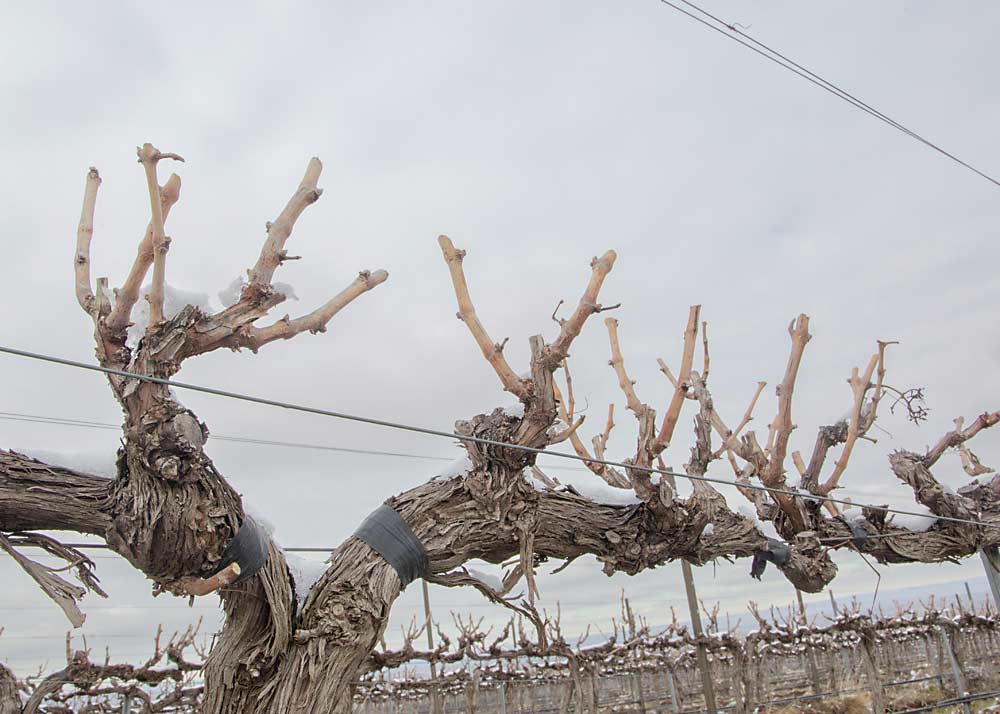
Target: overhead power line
{"type": "Point", "coordinates": [466, 438]}
{"type": "Point", "coordinates": [754, 45]}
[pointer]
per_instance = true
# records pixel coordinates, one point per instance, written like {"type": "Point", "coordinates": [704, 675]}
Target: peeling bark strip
{"type": "Point", "coordinates": [64, 593]}
{"type": "Point", "coordinates": [178, 520]}
{"type": "Point", "coordinates": [388, 535]}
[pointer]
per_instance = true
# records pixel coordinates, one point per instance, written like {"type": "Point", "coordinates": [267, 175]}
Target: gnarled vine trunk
{"type": "Point", "coordinates": [10, 702]}
{"type": "Point", "coordinates": [173, 515]}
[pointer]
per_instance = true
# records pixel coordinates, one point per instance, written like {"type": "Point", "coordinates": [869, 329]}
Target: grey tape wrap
{"type": "Point", "coordinates": [249, 548]}
{"type": "Point", "coordinates": [859, 536]}
{"type": "Point", "coordinates": [389, 536]}
{"type": "Point", "coordinates": [777, 552]}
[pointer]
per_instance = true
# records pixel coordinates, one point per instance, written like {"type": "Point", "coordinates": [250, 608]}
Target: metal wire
{"type": "Point", "coordinates": [950, 702]}
{"type": "Point", "coordinates": [64, 421]}
{"type": "Point", "coordinates": [870, 536]}
{"type": "Point", "coordinates": [463, 437]}
{"type": "Point", "coordinates": [795, 68]}
{"type": "Point", "coordinates": [104, 546]}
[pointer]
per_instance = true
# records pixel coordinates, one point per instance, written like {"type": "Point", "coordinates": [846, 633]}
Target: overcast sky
{"type": "Point", "coordinates": [536, 135]}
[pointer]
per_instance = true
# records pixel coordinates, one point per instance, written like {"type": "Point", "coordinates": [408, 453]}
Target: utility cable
{"type": "Point", "coordinates": [796, 68]}
{"type": "Point", "coordinates": [464, 437]}
{"type": "Point", "coordinates": [62, 421]}
{"type": "Point", "coordinates": [108, 426]}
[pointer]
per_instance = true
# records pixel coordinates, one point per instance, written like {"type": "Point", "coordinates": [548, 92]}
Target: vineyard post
{"type": "Point", "coordinates": [565, 696]}
{"type": "Point", "coordinates": [871, 669]}
{"type": "Point", "coordinates": [595, 692]}
{"type": "Point", "coordinates": [939, 649]}
{"type": "Point", "coordinates": [743, 696]}
{"type": "Point", "coordinates": [640, 691]}
{"type": "Point", "coordinates": [692, 600]}
{"type": "Point", "coordinates": [669, 676]}
{"type": "Point", "coordinates": [956, 669]}
{"type": "Point", "coordinates": [990, 556]}
{"type": "Point", "coordinates": [435, 691]}
{"type": "Point", "coordinates": [704, 667]}
{"type": "Point", "coordinates": [832, 661]}
{"type": "Point", "coordinates": [472, 692]}
{"type": "Point", "coordinates": [810, 654]}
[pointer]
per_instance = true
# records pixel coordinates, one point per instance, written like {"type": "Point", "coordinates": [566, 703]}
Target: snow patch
{"type": "Point", "coordinates": [285, 289]}
{"type": "Point", "coordinates": [514, 410]}
{"type": "Point", "coordinates": [230, 295]}
{"type": "Point", "coordinates": [600, 492]}
{"type": "Point", "coordinates": [708, 530]}
{"type": "Point", "coordinates": [915, 523]}
{"type": "Point", "coordinates": [535, 483]}
{"type": "Point", "coordinates": [510, 406]}
{"type": "Point", "coordinates": [99, 463]}
{"type": "Point", "coordinates": [490, 580]}
{"type": "Point", "coordinates": [458, 467]}
{"type": "Point", "coordinates": [305, 573]}
{"type": "Point", "coordinates": [259, 517]}
{"type": "Point", "coordinates": [765, 527]}
{"type": "Point", "coordinates": [174, 300]}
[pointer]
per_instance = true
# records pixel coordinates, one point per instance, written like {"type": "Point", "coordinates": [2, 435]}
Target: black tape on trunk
{"type": "Point", "coordinates": [387, 534]}
{"type": "Point", "coordinates": [777, 552]}
{"type": "Point", "coordinates": [249, 548]}
{"type": "Point", "coordinates": [859, 536]}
